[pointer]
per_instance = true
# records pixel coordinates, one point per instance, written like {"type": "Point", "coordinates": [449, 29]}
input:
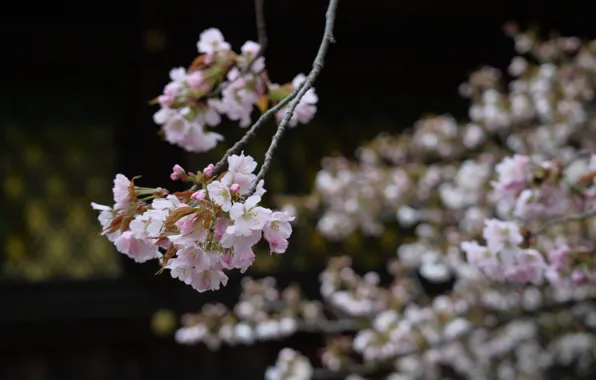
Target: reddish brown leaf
{"type": "Point", "coordinates": [116, 224]}
{"type": "Point", "coordinates": [587, 178]}
{"type": "Point", "coordinates": [177, 214]}
{"type": "Point", "coordinates": [198, 63]}
{"type": "Point", "coordinates": [167, 256]}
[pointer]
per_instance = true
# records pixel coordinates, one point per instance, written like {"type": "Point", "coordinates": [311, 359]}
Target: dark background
{"type": "Point", "coordinates": [75, 82]}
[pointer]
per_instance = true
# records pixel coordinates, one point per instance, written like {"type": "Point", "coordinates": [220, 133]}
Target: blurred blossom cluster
{"type": "Point", "coordinates": [220, 83]}
{"type": "Point", "coordinates": [395, 329]}
{"type": "Point", "coordinates": [502, 207]}
{"type": "Point", "coordinates": [513, 188]}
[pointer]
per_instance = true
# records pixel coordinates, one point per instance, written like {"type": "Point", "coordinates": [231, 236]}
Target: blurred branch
{"type": "Point", "coordinates": [565, 219]}
{"type": "Point", "coordinates": [261, 27]}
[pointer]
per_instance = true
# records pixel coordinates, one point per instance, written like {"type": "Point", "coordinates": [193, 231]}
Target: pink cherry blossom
{"type": "Point", "coordinates": [248, 217]}
{"type": "Point", "coordinates": [501, 235]}
{"type": "Point", "coordinates": [209, 280]}
{"type": "Point", "coordinates": [529, 267]}
{"type": "Point", "coordinates": [121, 192]}
{"type": "Point", "coordinates": [211, 41]}
{"type": "Point", "coordinates": [240, 171]}
{"type": "Point", "coordinates": [140, 250]}
{"type": "Point", "coordinates": [105, 218]}
{"type": "Point", "coordinates": [277, 231]}
{"type": "Point", "coordinates": [512, 177]}
{"type": "Point", "coordinates": [220, 195]}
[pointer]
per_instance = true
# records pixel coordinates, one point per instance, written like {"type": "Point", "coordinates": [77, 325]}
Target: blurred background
{"type": "Point", "coordinates": [74, 112]}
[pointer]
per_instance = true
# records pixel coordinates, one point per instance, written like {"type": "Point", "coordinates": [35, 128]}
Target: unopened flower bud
{"type": "Point", "coordinates": [198, 195]}
{"type": "Point", "coordinates": [195, 80]}
{"type": "Point", "coordinates": [208, 171]}
{"type": "Point", "coordinates": [235, 188]}
{"type": "Point", "coordinates": [177, 173]}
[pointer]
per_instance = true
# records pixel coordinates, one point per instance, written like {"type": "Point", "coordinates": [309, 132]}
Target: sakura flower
{"type": "Point", "coordinates": [220, 195]}
{"type": "Point", "coordinates": [512, 177]}
{"type": "Point", "coordinates": [197, 140]}
{"type": "Point", "coordinates": [277, 230]}
{"type": "Point", "coordinates": [194, 258]}
{"type": "Point", "coordinates": [171, 91]}
{"type": "Point", "coordinates": [239, 259]}
{"type": "Point", "coordinates": [240, 171]}
{"type": "Point", "coordinates": [211, 279]}
{"type": "Point", "coordinates": [529, 267]}
{"type": "Point", "coordinates": [239, 243]}
{"type": "Point", "coordinates": [106, 216]}
{"type": "Point", "coordinates": [138, 249]}
{"type": "Point", "coordinates": [250, 49]}
{"type": "Point", "coordinates": [248, 217]}
{"type": "Point", "coordinates": [260, 189]}
{"type": "Point", "coordinates": [501, 235]}
{"type": "Point", "coordinates": [121, 192]}
{"type": "Point", "coordinates": [178, 75]}
{"type": "Point", "coordinates": [211, 41]}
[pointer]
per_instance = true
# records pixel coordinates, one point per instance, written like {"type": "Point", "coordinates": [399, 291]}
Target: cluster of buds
{"type": "Point", "coordinates": [197, 234]}
{"type": "Point", "coordinates": [222, 82]}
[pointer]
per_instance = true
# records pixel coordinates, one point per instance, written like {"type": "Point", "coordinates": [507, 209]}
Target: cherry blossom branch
{"type": "Point", "coordinates": [300, 91]}
{"type": "Point", "coordinates": [565, 219]}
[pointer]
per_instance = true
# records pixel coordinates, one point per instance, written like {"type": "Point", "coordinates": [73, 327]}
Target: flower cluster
{"type": "Point", "coordinates": [221, 82]}
{"type": "Point", "coordinates": [512, 189]}
{"type": "Point", "coordinates": [397, 330]}
{"type": "Point", "coordinates": [202, 232]}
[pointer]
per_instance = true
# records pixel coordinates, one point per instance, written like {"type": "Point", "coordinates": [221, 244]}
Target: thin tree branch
{"type": "Point", "coordinates": [329, 327]}
{"type": "Point", "coordinates": [261, 27]}
{"type": "Point", "coordinates": [299, 92]}
{"type": "Point", "coordinates": [565, 219]}
{"type": "Point", "coordinates": [253, 131]}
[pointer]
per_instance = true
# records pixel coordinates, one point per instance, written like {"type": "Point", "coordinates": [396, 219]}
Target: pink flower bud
{"type": "Point", "coordinates": [208, 171]}
{"type": "Point", "coordinates": [195, 80]}
{"type": "Point", "coordinates": [198, 195]}
{"type": "Point", "coordinates": [177, 173]}
{"type": "Point", "coordinates": [235, 188]}
{"type": "Point", "coordinates": [165, 101]}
